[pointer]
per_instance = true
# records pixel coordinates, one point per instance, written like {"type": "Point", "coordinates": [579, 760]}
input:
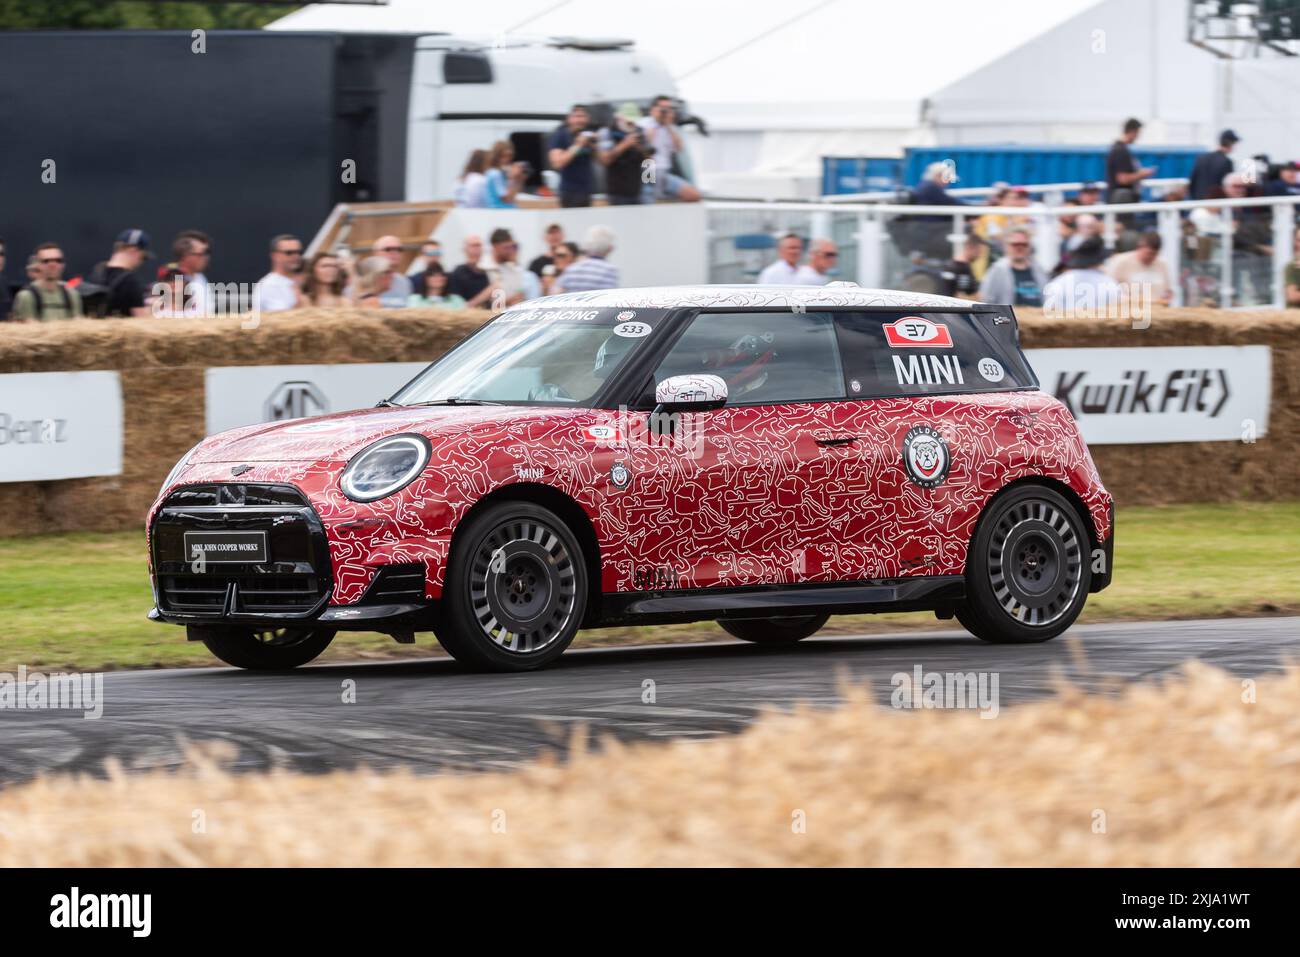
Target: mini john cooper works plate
{"type": "Point", "coordinates": [925, 456]}
{"type": "Point", "coordinates": [226, 546]}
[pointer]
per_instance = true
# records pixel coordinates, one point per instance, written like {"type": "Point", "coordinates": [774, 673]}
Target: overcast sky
{"type": "Point", "coordinates": [755, 50]}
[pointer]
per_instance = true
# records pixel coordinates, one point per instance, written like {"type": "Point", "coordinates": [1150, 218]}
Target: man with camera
{"type": "Point", "coordinates": [622, 150]}
{"type": "Point", "coordinates": [570, 151]}
{"type": "Point", "coordinates": [662, 136]}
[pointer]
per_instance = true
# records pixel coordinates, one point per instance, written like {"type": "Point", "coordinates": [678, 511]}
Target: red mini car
{"type": "Point", "coordinates": [760, 456]}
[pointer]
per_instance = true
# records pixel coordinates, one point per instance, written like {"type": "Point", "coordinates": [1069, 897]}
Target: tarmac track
{"type": "Point", "coordinates": [431, 714]}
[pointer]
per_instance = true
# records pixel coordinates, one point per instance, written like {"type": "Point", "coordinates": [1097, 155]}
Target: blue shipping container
{"type": "Point", "coordinates": [1027, 165]}
{"type": "Point", "coordinates": [860, 174]}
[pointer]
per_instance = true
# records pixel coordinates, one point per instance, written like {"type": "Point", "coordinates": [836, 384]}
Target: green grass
{"type": "Point", "coordinates": [79, 600]}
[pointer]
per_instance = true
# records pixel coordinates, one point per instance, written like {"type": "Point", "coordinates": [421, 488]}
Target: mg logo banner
{"type": "Point", "coordinates": [295, 400]}
{"type": "Point", "coordinates": [247, 395]}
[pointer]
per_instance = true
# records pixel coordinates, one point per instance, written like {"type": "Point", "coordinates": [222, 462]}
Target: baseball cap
{"type": "Point", "coordinates": [134, 237]}
{"type": "Point", "coordinates": [629, 111]}
{"type": "Point", "coordinates": [1227, 137]}
{"type": "Point", "coordinates": [1092, 186]}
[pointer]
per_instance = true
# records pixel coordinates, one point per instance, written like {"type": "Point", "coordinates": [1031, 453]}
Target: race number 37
{"type": "Point", "coordinates": [914, 332]}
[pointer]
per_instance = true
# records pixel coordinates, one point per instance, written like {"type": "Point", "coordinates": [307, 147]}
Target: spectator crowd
{"type": "Point", "coordinates": [634, 159]}
{"type": "Point", "coordinates": [631, 159]}
{"type": "Point", "coordinates": [996, 259]}
{"type": "Point", "coordinates": [329, 280]}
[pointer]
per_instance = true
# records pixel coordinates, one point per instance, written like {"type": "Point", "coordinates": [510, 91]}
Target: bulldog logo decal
{"type": "Point", "coordinates": [926, 457]}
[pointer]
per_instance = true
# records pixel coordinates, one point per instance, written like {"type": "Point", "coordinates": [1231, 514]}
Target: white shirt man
{"type": "Point", "coordinates": [278, 290]}
{"type": "Point", "coordinates": [400, 289]}
{"type": "Point", "coordinates": [787, 271]}
{"type": "Point", "coordinates": [277, 293]}
{"type": "Point", "coordinates": [1083, 288]}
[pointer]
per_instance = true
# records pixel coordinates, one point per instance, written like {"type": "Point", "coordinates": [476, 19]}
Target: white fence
{"type": "Point", "coordinates": [1204, 266]}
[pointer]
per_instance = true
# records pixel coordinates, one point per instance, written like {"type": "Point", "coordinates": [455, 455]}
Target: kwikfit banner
{"type": "Point", "coordinates": [1160, 394]}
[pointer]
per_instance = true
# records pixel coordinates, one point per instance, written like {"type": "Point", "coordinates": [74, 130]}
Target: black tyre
{"type": "Point", "coordinates": [1028, 571]}
{"type": "Point", "coordinates": [774, 631]}
{"type": "Point", "coordinates": [516, 589]}
{"type": "Point", "coordinates": [263, 649]}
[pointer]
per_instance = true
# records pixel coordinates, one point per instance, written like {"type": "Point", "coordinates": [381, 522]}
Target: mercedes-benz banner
{"type": "Point", "coordinates": [60, 425]}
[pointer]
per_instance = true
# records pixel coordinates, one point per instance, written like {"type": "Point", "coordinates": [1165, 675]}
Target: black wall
{"type": "Point", "coordinates": [238, 142]}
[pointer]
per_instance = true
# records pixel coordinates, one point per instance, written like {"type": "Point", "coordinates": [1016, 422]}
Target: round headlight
{"type": "Point", "coordinates": [178, 468]}
{"type": "Point", "coordinates": [384, 467]}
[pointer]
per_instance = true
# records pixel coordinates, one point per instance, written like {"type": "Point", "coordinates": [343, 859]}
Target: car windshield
{"type": "Point", "coordinates": [558, 356]}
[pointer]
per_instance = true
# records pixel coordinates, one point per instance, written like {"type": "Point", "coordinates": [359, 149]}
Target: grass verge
{"type": "Point", "coordinates": [79, 600]}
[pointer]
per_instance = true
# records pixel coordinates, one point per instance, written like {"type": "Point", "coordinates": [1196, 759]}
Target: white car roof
{"type": "Point", "coordinates": [843, 295]}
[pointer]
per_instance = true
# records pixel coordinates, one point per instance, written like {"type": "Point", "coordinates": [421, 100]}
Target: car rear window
{"type": "Point", "coordinates": [930, 353]}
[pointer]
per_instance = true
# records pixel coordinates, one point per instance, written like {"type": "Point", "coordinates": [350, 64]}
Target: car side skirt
{"type": "Point", "coordinates": [919, 593]}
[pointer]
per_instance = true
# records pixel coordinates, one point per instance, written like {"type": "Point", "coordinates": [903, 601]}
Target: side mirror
{"type": "Point", "coordinates": [691, 393]}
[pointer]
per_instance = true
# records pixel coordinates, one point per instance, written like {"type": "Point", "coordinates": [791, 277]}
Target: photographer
{"type": "Point", "coordinates": [663, 137]}
{"type": "Point", "coordinates": [570, 150]}
{"type": "Point", "coordinates": [621, 150]}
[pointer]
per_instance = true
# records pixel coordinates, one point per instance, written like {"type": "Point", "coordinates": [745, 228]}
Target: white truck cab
{"type": "Point", "coordinates": [466, 94]}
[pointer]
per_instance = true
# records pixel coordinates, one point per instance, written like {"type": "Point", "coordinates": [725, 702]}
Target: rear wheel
{"type": "Point", "coordinates": [1027, 574]}
{"type": "Point", "coordinates": [516, 589]}
{"type": "Point", "coordinates": [774, 631]}
{"type": "Point", "coordinates": [263, 649]}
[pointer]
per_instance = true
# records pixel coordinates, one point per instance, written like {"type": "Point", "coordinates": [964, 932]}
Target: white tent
{"type": "Point", "coordinates": [781, 83]}
{"type": "Point", "coordinates": [1079, 81]}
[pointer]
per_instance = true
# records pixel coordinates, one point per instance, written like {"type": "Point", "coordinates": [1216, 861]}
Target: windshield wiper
{"type": "Point", "coordinates": [454, 400]}
{"type": "Point", "coordinates": [387, 404]}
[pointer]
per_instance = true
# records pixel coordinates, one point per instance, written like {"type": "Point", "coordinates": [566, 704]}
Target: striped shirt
{"type": "Point", "coordinates": [589, 272]}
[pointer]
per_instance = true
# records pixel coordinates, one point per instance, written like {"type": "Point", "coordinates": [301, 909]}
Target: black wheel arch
{"type": "Point", "coordinates": [1056, 485]}
{"type": "Point", "coordinates": [567, 508]}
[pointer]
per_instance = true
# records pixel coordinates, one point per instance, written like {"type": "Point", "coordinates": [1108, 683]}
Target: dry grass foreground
{"type": "Point", "coordinates": [1185, 773]}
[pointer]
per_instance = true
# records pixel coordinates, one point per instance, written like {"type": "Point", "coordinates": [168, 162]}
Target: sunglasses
{"type": "Point", "coordinates": [44, 261]}
{"type": "Point", "coordinates": [829, 255]}
{"type": "Point", "coordinates": [390, 249]}
{"type": "Point", "coordinates": [1017, 245]}
{"type": "Point", "coordinates": [289, 252]}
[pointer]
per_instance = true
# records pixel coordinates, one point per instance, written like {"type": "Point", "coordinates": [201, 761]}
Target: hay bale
{"type": "Point", "coordinates": [162, 362]}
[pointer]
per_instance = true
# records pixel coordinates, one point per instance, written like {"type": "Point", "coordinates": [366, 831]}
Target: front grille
{"type": "Point", "coordinates": [396, 584]}
{"type": "Point", "coordinates": [254, 594]}
{"type": "Point", "coordinates": [235, 493]}
{"type": "Point", "coordinates": [294, 580]}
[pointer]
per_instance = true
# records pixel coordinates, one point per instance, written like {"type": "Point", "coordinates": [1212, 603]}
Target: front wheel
{"type": "Point", "coordinates": [1028, 571]}
{"type": "Point", "coordinates": [263, 649]}
{"type": "Point", "coordinates": [516, 589]}
{"type": "Point", "coordinates": [774, 631]}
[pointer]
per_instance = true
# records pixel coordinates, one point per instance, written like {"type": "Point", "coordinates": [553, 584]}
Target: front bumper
{"type": "Point", "coordinates": [292, 583]}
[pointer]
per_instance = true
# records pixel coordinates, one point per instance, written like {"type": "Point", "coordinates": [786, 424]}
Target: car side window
{"type": "Point", "coordinates": [930, 353]}
{"type": "Point", "coordinates": [764, 357]}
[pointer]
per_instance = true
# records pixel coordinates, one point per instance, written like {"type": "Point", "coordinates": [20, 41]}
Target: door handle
{"type": "Point", "coordinates": [831, 440]}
